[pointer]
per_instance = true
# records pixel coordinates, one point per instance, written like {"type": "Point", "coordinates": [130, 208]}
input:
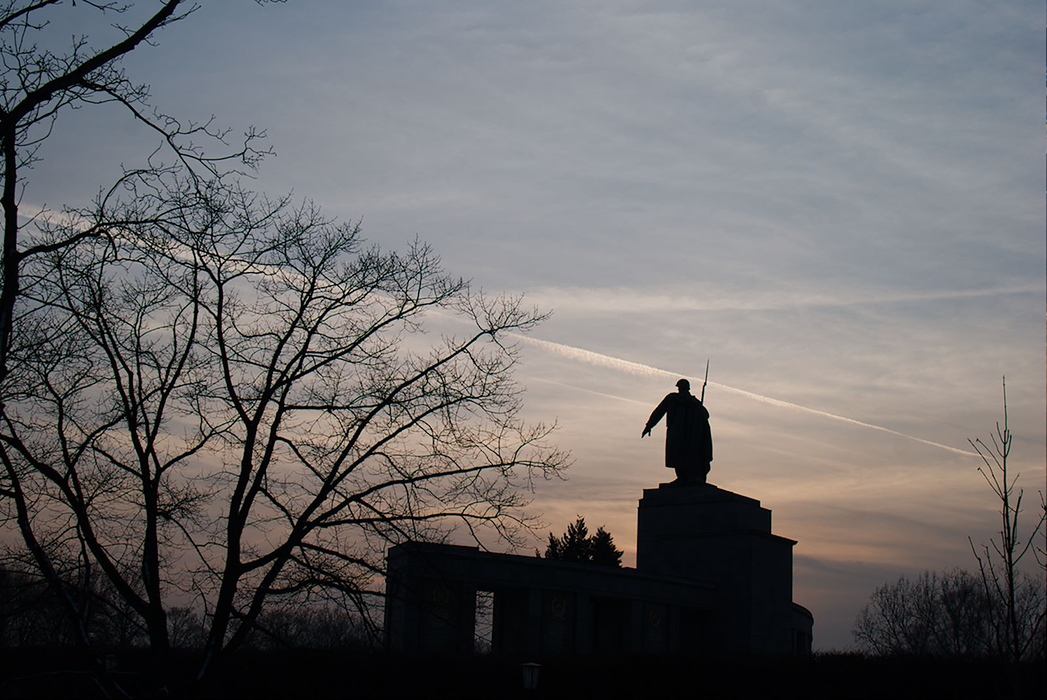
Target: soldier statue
{"type": "Point", "coordinates": [688, 438]}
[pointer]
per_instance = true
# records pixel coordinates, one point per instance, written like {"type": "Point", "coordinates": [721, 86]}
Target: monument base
{"type": "Point", "coordinates": [709, 534]}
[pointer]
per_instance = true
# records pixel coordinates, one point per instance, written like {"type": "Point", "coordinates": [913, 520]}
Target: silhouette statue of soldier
{"type": "Point", "coordinates": [688, 438]}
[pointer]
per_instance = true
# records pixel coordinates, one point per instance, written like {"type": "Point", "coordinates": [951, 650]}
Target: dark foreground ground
{"type": "Point", "coordinates": [322, 675]}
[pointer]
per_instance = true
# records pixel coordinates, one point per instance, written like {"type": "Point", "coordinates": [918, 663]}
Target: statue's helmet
{"type": "Point", "coordinates": [683, 385]}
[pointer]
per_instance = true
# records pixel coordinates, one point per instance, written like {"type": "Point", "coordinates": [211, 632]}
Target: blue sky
{"type": "Point", "coordinates": [840, 205]}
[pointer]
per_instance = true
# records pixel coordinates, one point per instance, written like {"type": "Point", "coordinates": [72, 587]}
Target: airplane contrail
{"type": "Point", "coordinates": [636, 368]}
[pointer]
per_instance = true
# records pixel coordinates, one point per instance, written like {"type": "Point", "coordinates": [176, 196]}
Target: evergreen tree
{"type": "Point", "coordinates": [603, 550]}
{"type": "Point", "coordinates": [578, 545]}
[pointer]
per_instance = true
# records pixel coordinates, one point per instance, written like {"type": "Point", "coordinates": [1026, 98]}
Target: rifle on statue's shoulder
{"type": "Point", "coordinates": [702, 399]}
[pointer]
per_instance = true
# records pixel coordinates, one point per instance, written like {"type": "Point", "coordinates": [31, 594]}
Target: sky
{"type": "Point", "coordinates": [839, 205]}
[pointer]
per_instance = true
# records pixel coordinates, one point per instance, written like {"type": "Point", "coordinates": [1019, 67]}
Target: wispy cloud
{"type": "Point", "coordinates": [637, 368]}
{"type": "Point", "coordinates": [620, 300]}
{"type": "Point", "coordinates": [838, 203]}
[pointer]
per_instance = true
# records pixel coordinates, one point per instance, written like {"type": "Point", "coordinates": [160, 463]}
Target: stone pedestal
{"type": "Point", "coordinates": [716, 536]}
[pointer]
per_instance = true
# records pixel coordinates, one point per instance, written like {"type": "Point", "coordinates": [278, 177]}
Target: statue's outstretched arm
{"type": "Point", "coordinates": [656, 416]}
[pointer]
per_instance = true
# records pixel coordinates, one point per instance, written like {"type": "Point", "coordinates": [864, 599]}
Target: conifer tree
{"type": "Point", "coordinates": [578, 545]}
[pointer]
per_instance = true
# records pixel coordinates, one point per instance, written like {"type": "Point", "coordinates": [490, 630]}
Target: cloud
{"type": "Point", "coordinates": [840, 204]}
{"type": "Point", "coordinates": [591, 357]}
{"type": "Point", "coordinates": [581, 300]}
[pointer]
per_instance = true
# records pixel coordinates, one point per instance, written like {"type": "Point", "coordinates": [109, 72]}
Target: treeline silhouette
{"type": "Point", "coordinates": [319, 651]}
{"type": "Point", "coordinates": [32, 617]}
{"type": "Point", "coordinates": [951, 614]}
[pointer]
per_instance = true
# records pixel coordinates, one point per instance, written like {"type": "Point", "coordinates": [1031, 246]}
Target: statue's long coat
{"type": "Point", "coordinates": [688, 438]}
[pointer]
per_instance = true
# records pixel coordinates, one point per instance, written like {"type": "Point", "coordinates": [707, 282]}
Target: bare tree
{"type": "Point", "coordinates": [45, 71]}
{"type": "Point", "coordinates": [1004, 616]}
{"type": "Point", "coordinates": [935, 614]}
{"type": "Point", "coordinates": [39, 81]}
{"type": "Point", "coordinates": [209, 400]}
{"type": "Point", "coordinates": [1019, 623]}
{"type": "Point", "coordinates": [229, 400]}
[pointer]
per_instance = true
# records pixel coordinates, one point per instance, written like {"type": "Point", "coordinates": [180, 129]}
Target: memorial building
{"type": "Point", "coordinates": [710, 577]}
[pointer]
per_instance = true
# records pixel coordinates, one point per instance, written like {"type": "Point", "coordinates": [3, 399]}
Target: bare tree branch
{"type": "Point", "coordinates": [272, 357]}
